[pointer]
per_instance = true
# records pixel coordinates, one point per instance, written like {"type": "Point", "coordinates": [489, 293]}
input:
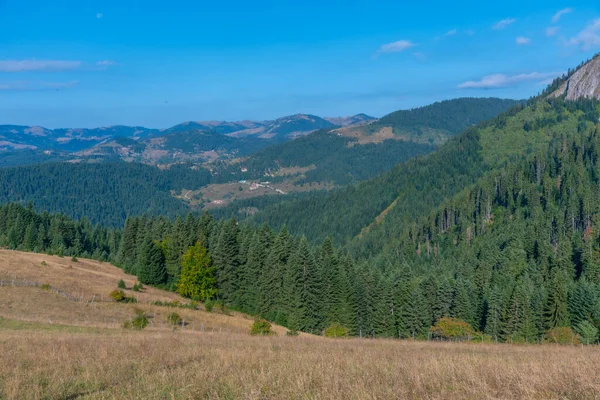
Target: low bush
{"type": "Point", "coordinates": [120, 297]}
{"type": "Point", "coordinates": [453, 329]}
{"type": "Point", "coordinates": [262, 328]}
{"type": "Point", "coordinates": [46, 286]}
{"type": "Point", "coordinates": [562, 335]}
{"type": "Point", "coordinates": [74, 259]}
{"type": "Point", "coordinates": [121, 284]}
{"type": "Point", "coordinates": [336, 330]}
{"type": "Point", "coordinates": [292, 332]}
{"type": "Point", "coordinates": [174, 319]}
{"type": "Point", "coordinates": [43, 264]}
{"type": "Point", "coordinates": [117, 295]}
{"type": "Point", "coordinates": [138, 322]}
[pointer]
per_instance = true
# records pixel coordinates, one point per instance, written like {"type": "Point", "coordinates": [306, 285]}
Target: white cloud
{"type": "Point", "coordinates": [470, 32]}
{"type": "Point", "coordinates": [37, 65]}
{"type": "Point", "coordinates": [99, 15]}
{"type": "Point", "coordinates": [559, 14]}
{"type": "Point", "coordinates": [502, 80]}
{"type": "Point", "coordinates": [396, 47]}
{"type": "Point", "coordinates": [504, 23]}
{"type": "Point", "coordinates": [589, 37]}
{"type": "Point", "coordinates": [32, 86]}
{"type": "Point", "coordinates": [451, 32]}
{"type": "Point", "coordinates": [522, 40]}
{"type": "Point", "coordinates": [552, 31]}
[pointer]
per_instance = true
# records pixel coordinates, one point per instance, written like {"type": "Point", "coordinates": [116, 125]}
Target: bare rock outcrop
{"type": "Point", "coordinates": [585, 82]}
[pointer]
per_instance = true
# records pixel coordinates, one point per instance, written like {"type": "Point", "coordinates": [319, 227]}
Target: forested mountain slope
{"type": "Point", "coordinates": [350, 155]}
{"type": "Point", "coordinates": [434, 123]}
{"type": "Point", "coordinates": [373, 212]}
{"type": "Point", "coordinates": [104, 193]}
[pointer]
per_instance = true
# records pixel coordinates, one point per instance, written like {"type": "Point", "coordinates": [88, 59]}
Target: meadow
{"type": "Point", "coordinates": [52, 347]}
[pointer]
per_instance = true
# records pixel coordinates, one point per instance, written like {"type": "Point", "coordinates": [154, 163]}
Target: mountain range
{"type": "Point", "coordinates": [16, 137]}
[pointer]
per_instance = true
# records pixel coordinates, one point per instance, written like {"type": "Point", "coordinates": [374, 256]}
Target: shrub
{"type": "Point", "coordinates": [261, 327]}
{"type": "Point", "coordinates": [208, 305]}
{"type": "Point", "coordinates": [45, 286]}
{"type": "Point", "coordinates": [117, 295]}
{"type": "Point", "coordinates": [43, 264]}
{"type": "Point", "coordinates": [136, 287]}
{"type": "Point", "coordinates": [74, 259]}
{"type": "Point", "coordinates": [292, 332]}
{"type": "Point", "coordinates": [453, 329]}
{"type": "Point", "coordinates": [121, 284]}
{"type": "Point", "coordinates": [336, 330]}
{"type": "Point", "coordinates": [562, 335]}
{"type": "Point", "coordinates": [139, 322]}
{"type": "Point", "coordinates": [174, 319]}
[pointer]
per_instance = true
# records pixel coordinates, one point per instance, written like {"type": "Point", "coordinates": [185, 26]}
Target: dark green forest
{"type": "Point", "coordinates": [105, 192]}
{"type": "Point", "coordinates": [332, 158]}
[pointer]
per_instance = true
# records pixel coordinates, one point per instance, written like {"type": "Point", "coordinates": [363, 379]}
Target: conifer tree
{"type": "Point", "coordinates": [151, 263]}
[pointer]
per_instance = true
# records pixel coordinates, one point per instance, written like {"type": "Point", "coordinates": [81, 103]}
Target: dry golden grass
{"type": "Point", "coordinates": [86, 354]}
{"type": "Point", "coordinates": [94, 280]}
{"type": "Point", "coordinates": [175, 365]}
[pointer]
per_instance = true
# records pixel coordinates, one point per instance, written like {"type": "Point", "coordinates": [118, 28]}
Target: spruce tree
{"type": "Point", "coordinates": [151, 263]}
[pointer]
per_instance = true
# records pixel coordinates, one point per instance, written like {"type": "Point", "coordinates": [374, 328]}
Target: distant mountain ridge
{"type": "Point", "coordinates": [18, 137]}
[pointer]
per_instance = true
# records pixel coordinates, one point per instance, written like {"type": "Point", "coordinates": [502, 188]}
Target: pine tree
{"type": "Point", "coordinates": [557, 314]}
{"type": "Point", "coordinates": [272, 296]}
{"type": "Point", "coordinates": [151, 263]}
{"type": "Point", "coordinates": [127, 255]}
{"type": "Point", "coordinates": [384, 317]}
{"type": "Point", "coordinates": [226, 263]}
{"type": "Point", "coordinates": [495, 313]}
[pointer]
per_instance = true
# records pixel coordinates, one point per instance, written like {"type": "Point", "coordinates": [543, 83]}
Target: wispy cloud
{"type": "Point", "coordinates": [559, 14]}
{"type": "Point", "coordinates": [35, 86]}
{"type": "Point", "coordinates": [396, 47]}
{"type": "Point", "coordinates": [470, 32]}
{"type": "Point", "coordinates": [552, 30]}
{"type": "Point", "coordinates": [38, 65]}
{"type": "Point", "coordinates": [99, 15]}
{"type": "Point", "coordinates": [451, 32]}
{"type": "Point", "coordinates": [504, 23]}
{"type": "Point", "coordinates": [522, 40]}
{"type": "Point", "coordinates": [502, 80]}
{"type": "Point", "coordinates": [589, 37]}
{"type": "Point", "coordinates": [105, 64]}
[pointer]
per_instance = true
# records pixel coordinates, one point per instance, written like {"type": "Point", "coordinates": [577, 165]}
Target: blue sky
{"type": "Point", "coordinates": [91, 63]}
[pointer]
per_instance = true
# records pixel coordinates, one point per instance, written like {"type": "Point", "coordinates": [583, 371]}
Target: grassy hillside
{"type": "Point", "coordinates": [58, 348]}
